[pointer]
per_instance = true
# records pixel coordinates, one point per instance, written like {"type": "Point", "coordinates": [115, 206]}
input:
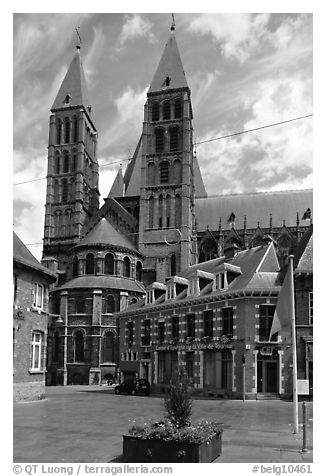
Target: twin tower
{"type": "Point", "coordinates": [152, 204]}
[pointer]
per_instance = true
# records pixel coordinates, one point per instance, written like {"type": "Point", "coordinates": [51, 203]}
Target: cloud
{"type": "Point", "coordinates": [238, 35]}
{"type": "Point", "coordinates": [135, 26]}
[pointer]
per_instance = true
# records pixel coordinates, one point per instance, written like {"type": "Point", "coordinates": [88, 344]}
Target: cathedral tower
{"type": "Point", "coordinates": [72, 194]}
{"type": "Point", "coordinates": [167, 221]}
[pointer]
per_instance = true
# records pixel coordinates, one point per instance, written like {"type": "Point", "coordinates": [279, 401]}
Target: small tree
{"type": "Point", "coordinates": [178, 402]}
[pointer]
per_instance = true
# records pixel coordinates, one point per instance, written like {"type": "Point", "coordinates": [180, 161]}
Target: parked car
{"type": "Point", "coordinates": [134, 387]}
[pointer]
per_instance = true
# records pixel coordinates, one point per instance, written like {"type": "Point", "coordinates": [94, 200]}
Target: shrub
{"type": "Point", "coordinates": [178, 402]}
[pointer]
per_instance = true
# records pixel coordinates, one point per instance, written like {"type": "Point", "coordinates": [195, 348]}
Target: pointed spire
{"type": "Point", "coordinates": [117, 189]}
{"type": "Point", "coordinates": [73, 90]}
{"type": "Point", "coordinates": [169, 73]}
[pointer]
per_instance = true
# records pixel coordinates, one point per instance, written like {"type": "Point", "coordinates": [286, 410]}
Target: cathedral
{"type": "Point", "coordinates": [156, 221]}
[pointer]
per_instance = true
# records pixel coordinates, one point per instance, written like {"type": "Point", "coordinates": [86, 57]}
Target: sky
{"type": "Point", "coordinates": [244, 70]}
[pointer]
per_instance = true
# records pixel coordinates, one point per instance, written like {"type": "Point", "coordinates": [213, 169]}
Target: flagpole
{"type": "Point", "coordinates": [294, 352]}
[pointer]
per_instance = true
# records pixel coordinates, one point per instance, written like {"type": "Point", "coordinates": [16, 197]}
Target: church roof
{"type": "Point", "coordinates": [104, 233]}
{"type": "Point", "coordinates": [303, 259]}
{"type": "Point", "coordinates": [132, 176]}
{"type": "Point", "coordinates": [170, 65]}
{"type": "Point", "coordinates": [257, 207]}
{"type": "Point", "coordinates": [117, 189]}
{"type": "Point", "coordinates": [103, 282]}
{"type": "Point", "coordinates": [74, 85]}
{"type": "Point", "coordinates": [23, 256]}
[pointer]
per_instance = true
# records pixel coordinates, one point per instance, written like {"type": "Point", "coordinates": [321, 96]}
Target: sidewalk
{"type": "Point", "coordinates": [85, 424]}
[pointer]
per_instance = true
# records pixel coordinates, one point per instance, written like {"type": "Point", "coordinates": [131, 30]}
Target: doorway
{"type": "Point", "coordinates": [267, 376]}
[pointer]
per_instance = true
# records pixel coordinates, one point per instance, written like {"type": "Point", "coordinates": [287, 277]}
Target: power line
{"type": "Point", "coordinates": [197, 143]}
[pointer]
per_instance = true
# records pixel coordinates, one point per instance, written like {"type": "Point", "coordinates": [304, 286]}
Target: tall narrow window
{"type": "Point", "coordinates": [178, 211]}
{"type": "Point", "coordinates": [109, 264]}
{"type": "Point", "coordinates": [126, 267]}
{"type": "Point", "coordinates": [161, 332]}
{"type": "Point", "coordinates": [75, 267]}
{"type": "Point", "coordinates": [174, 139]}
{"type": "Point", "coordinates": [67, 130]}
{"type": "Point", "coordinates": [168, 210]}
{"type": "Point", "coordinates": [164, 171]}
{"type": "Point", "coordinates": [57, 163]}
{"type": "Point", "coordinates": [138, 271]}
{"type": "Point", "coordinates": [191, 325]}
{"type": "Point", "coordinates": [108, 305]}
{"type": "Point", "coordinates": [58, 130]}
{"type": "Point", "coordinates": [151, 212]}
{"type": "Point", "coordinates": [173, 265]}
{"type": "Point", "coordinates": [177, 171]}
{"type": "Point", "coordinates": [160, 211]}
{"type": "Point", "coordinates": [79, 347]}
{"type": "Point", "coordinates": [75, 129]}
{"type": "Point", "coordinates": [56, 191]}
{"type": "Point", "coordinates": [166, 110]}
{"type": "Point", "coordinates": [108, 347]}
{"type": "Point", "coordinates": [208, 323]}
{"type": "Point", "coordinates": [36, 351]}
{"type": "Point", "coordinates": [147, 332]}
{"type": "Point", "coordinates": [156, 112]}
{"type": "Point", "coordinates": [38, 295]}
{"type": "Point", "coordinates": [190, 364]}
{"type": "Point", "coordinates": [178, 109]}
{"type": "Point", "coordinates": [227, 321]}
{"type": "Point", "coordinates": [57, 220]}
{"type": "Point", "coordinates": [74, 160]}
{"type": "Point", "coordinates": [130, 333]}
{"type": "Point", "coordinates": [159, 140]}
{"type": "Point", "coordinates": [175, 327]}
{"type": "Point", "coordinates": [90, 263]}
{"type": "Point", "coordinates": [80, 305]}
{"type": "Point", "coordinates": [266, 314]}
{"type": "Point", "coordinates": [151, 173]}
{"type": "Point", "coordinates": [64, 184]}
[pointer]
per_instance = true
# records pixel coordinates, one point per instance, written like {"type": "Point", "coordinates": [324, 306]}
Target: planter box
{"type": "Point", "coordinates": [136, 450]}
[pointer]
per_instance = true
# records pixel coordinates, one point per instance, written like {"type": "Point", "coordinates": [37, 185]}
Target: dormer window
{"type": "Point", "coordinates": [167, 81]}
{"type": "Point", "coordinates": [67, 99]}
{"type": "Point", "coordinates": [221, 281]}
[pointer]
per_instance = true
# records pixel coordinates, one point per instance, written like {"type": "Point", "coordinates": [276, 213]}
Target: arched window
{"type": "Point", "coordinates": [90, 263]}
{"type": "Point", "coordinates": [67, 130]}
{"type": "Point", "coordinates": [75, 267]}
{"type": "Point", "coordinates": [55, 349]}
{"type": "Point", "coordinates": [57, 220]}
{"type": "Point", "coordinates": [159, 140]}
{"type": "Point", "coordinates": [151, 212]}
{"type": "Point", "coordinates": [164, 171]}
{"type": "Point", "coordinates": [177, 171]}
{"type": "Point", "coordinates": [108, 347]}
{"type": "Point", "coordinates": [139, 269]}
{"type": "Point", "coordinates": [57, 163]}
{"type": "Point", "coordinates": [178, 211]}
{"type": "Point", "coordinates": [168, 210]}
{"type": "Point", "coordinates": [79, 347]}
{"type": "Point", "coordinates": [58, 129]}
{"type": "Point", "coordinates": [75, 122]}
{"type": "Point", "coordinates": [166, 110]}
{"type": "Point", "coordinates": [160, 211]}
{"type": "Point", "coordinates": [64, 184]}
{"type": "Point", "coordinates": [74, 160]}
{"type": "Point", "coordinates": [109, 264]}
{"type": "Point", "coordinates": [56, 191]}
{"type": "Point", "coordinates": [156, 112]}
{"type": "Point", "coordinates": [178, 109]}
{"type": "Point", "coordinates": [65, 162]}
{"type": "Point", "coordinates": [173, 265]}
{"type": "Point", "coordinates": [68, 222]}
{"type": "Point", "coordinates": [174, 139]}
{"type": "Point", "coordinates": [126, 267]}
{"type": "Point", "coordinates": [151, 173]}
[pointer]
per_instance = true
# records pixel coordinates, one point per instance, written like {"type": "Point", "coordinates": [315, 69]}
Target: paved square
{"type": "Point", "coordinates": [86, 424]}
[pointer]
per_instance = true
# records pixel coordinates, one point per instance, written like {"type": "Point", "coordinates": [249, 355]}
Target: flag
{"type": "Point", "coordinates": [284, 308]}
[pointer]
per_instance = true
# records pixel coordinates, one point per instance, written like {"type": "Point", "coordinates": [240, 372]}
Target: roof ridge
{"type": "Point", "coordinates": [255, 193]}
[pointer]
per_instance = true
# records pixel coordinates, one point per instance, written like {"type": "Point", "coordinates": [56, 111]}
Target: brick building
{"type": "Point", "coordinates": [30, 320]}
{"type": "Point", "coordinates": [157, 216]}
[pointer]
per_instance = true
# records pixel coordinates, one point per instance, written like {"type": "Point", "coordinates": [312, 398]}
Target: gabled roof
{"type": "Point", "coordinates": [303, 259]}
{"type": "Point", "coordinates": [170, 65]}
{"type": "Point", "coordinates": [133, 173]}
{"type": "Point", "coordinates": [104, 233]}
{"type": "Point", "coordinates": [74, 85]}
{"type": "Point", "coordinates": [23, 256]}
{"type": "Point", "coordinates": [257, 207]}
{"type": "Point", "coordinates": [200, 190]}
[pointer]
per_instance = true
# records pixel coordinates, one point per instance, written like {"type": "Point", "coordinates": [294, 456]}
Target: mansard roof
{"type": "Point", "coordinates": [104, 234]}
{"type": "Point", "coordinates": [74, 85]}
{"type": "Point", "coordinates": [22, 256]}
{"type": "Point", "coordinates": [170, 65]}
{"type": "Point", "coordinates": [261, 207]}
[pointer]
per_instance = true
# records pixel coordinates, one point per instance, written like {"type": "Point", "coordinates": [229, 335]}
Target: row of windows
{"type": "Point", "coordinates": [164, 215]}
{"type": "Point", "coordinates": [266, 313]}
{"type": "Point", "coordinates": [169, 140]}
{"type": "Point", "coordinates": [67, 130]}
{"type": "Point", "coordinates": [108, 347]}
{"type": "Point", "coordinates": [165, 172]}
{"type": "Point", "coordinates": [97, 266]}
{"type": "Point", "coordinates": [65, 163]}
{"type": "Point", "coordinates": [167, 109]}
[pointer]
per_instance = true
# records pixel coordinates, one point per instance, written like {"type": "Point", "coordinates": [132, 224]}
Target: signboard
{"type": "Point", "coordinates": [303, 387]}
